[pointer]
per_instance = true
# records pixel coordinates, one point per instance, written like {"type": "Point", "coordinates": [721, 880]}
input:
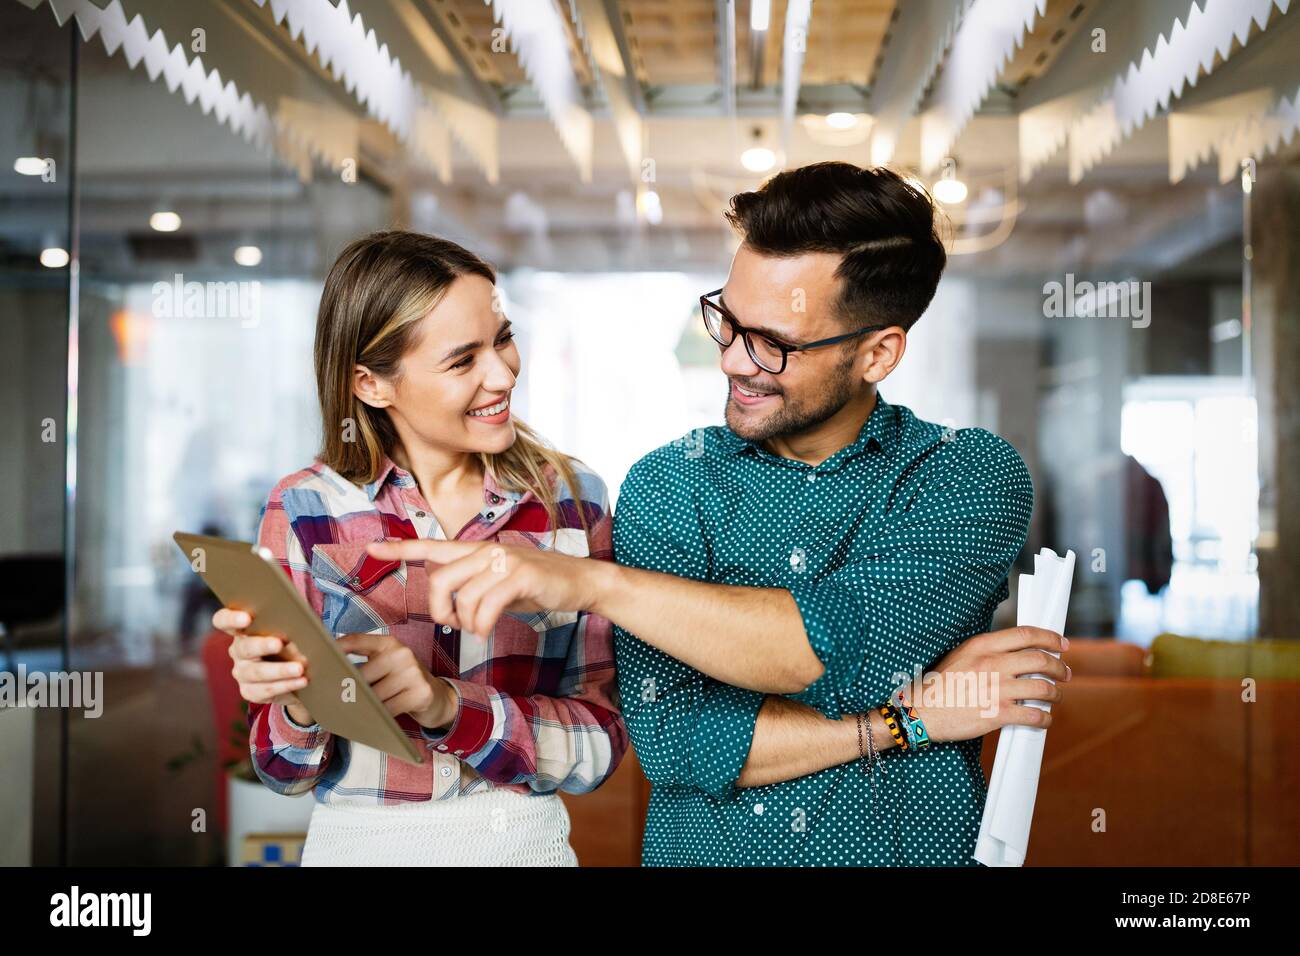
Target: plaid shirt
{"type": "Point", "coordinates": [537, 700]}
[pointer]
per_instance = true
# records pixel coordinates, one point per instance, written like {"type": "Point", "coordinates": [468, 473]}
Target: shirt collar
{"type": "Point", "coordinates": [493, 493]}
{"type": "Point", "coordinates": [877, 431]}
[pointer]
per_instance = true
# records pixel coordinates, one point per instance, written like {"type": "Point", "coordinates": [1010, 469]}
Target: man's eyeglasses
{"type": "Point", "coordinates": [767, 353]}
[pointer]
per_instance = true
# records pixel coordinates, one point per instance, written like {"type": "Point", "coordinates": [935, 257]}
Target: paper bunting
{"type": "Point", "coordinates": [1243, 112]}
{"type": "Point", "coordinates": [1164, 61]}
{"type": "Point", "coordinates": [138, 45]}
{"type": "Point", "coordinates": [990, 33]}
{"type": "Point", "coordinates": [541, 42]}
{"type": "Point", "coordinates": [918, 40]}
{"type": "Point", "coordinates": [355, 56]}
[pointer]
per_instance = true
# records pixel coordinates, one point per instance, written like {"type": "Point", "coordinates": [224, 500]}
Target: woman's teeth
{"type": "Point", "coordinates": [491, 410]}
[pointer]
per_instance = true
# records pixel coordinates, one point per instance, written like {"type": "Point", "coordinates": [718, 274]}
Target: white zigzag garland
{"type": "Point", "coordinates": [1166, 69]}
{"type": "Point", "coordinates": [538, 35]}
{"type": "Point", "coordinates": [1196, 134]}
{"type": "Point", "coordinates": [250, 120]}
{"type": "Point", "coordinates": [990, 33]}
{"type": "Point", "coordinates": [292, 134]}
{"type": "Point", "coordinates": [1261, 136]}
{"type": "Point", "coordinates": [353, 54]}
{"type": "Point", "coordinates": [896, 93]}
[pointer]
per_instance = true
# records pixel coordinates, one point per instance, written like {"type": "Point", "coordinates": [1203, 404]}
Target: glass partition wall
{"type": "Point", "coordinates": [158, 288]}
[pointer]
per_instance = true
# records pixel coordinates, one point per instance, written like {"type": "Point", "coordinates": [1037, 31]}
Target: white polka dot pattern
{"type": "Point", "coordinates": [896, 549]}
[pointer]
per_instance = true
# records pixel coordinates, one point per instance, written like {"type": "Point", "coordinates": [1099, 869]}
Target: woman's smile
{"type": "Point", "coordinates": [496, 413]}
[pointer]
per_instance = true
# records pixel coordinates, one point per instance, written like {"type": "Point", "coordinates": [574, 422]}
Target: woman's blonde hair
{"type": "Point", "coordinates": [375, 294]}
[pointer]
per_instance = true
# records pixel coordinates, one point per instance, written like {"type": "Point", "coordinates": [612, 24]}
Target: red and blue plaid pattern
{"type": "Point", "coordinates": [538, 703]}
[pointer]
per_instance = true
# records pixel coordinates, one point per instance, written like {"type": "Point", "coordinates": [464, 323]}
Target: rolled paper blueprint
{"type": "Point", "coordinates": [1041, 601]}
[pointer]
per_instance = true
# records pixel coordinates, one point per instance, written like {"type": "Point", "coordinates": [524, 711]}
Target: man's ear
{"type": "Point", "coordinates": [374, 391]}
{"type": "Point", "coordinates": [884, 351]}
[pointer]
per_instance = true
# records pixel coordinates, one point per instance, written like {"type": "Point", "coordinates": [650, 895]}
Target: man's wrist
{"type": "Point", "coordinates": [604, 582]}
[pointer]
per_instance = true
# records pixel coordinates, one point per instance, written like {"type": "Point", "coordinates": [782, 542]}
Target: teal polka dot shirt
{"type": "Point", "coordinates": [895, 549]}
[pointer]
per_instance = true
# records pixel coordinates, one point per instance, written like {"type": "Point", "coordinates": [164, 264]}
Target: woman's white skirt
{"type": "Point", "coordinates": [490, 828]}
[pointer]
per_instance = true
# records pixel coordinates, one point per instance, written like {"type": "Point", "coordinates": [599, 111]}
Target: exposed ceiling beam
{"type": "Point", "coordinates": [616, 77]}
{"type": "Point", "coordinates": [990, 33]}
{"type": "Point", "coordinates": [472, 84]}
{"type": "Point", "coordinates": [625, 54]}
{"type": "Point", "coordinates": [920, 34]}
{"type": "Point", "coordinates": [794, 44]}
{"type": "Point", "coordinates": [726, 18]}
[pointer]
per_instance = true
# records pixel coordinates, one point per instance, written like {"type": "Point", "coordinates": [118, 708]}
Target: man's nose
{"type": "Point", "coordinates": [736, 361]}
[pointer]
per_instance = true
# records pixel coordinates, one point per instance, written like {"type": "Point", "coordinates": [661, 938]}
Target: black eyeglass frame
{"type": "Point", "coordinates": [706, 303]}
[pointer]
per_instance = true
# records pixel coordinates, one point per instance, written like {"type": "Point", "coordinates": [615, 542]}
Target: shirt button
{"type": "Point", "coordinates": [490, 515]}
{"type": "Point", "coordinates": [459, 752]}
{"type": "Point", "coordinates": [758, 809]}
{"type": "Point", "coordinates": [446, 629]}
{"type": "Point", "coordinates": [812, 476]}
{"type": "Point", "coordinates": [356, 581]}
{"type": "Point", "coordinates": [798, 560]}
{"type": "Point", "coordinates": [419, 514]}
{"type": "Point", "coordinates": [445, 771]}
{"type": "Point", "coordinates": [442, 746]}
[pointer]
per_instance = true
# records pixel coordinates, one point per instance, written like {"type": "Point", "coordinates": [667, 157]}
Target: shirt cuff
{"type": "Point", "coordinates": [724, 731]}
{"type": "Point", "coordinates": [836, 624]}
{"type": "Point", "coordinates": [285, 729]}
{"type": "Point", "coordinates": [471, 728]}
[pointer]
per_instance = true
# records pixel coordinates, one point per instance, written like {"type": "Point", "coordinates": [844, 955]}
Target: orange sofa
{"type": "Point", "coordinates": [1185, 771]}
{"type": "Point", "coordinates": [1186, 774]}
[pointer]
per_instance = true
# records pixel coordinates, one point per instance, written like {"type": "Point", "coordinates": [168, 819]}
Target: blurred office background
{"type": "Point", "coordinates": [588, 148]}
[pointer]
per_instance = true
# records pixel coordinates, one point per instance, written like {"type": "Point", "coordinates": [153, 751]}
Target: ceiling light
{"type": "Point", "coordinates": [54, 257]}
{"type": "Point", "coordinates": [758, 159]}
{"type": "Point", "coordinates": [165, 221]}
{"type": "Point", "coordinates": [841, 120]}
{"type": "Point", "coordinates": [949, 189]}
{"type": "Point", "coordinates": [650, 207]}
{"type": "Point", "coordinates": [248, 255]}
{"type": "Point", "coordinates": [760, 15]}
{"type": "Point", "coordinates": [29, 165]}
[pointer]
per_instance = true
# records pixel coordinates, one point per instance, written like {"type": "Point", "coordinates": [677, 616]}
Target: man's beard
{"type": "Point", "coordinates": [796, 417]}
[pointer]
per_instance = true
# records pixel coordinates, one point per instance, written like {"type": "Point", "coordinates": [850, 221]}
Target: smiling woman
{"type": "Point", "coordinates": [415, 367]}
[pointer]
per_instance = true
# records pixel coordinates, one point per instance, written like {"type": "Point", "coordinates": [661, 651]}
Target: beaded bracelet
{"type": "Point", "coordinates": [895, 728]}
{"type": "Point", "coordinates": [913, 726]}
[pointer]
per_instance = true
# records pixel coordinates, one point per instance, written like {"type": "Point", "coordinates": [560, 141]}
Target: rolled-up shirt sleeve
{"type": "Point", "coordinates": [941, 559]}
{"type": "Point", "coordinates": [688, 729]}
{"type": "Point", "coordinates": [287, 757]}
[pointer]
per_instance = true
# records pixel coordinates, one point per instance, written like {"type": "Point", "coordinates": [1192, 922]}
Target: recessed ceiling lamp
{"type": "Point", "coordinates": [248, 256]}
{"type": "Point", "coordinates": [29, 165]}
{"type": "Point", "coordinates": [54, 258]}
{"type": "Point", "coordinates": [164, 220]}
{"type": "Point", "coordinates": [758, 158]}
{"type": "Point", "coordinates": [841, 120]}
{"type": "Point", "coordinates": [648, 203]}
{"type": "Point", "coordinates": [760, 15]}
{"type": "Point", "coordinates": [949, 189]}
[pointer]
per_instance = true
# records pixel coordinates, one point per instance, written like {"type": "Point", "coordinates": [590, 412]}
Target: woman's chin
{"type": "Point", "coordinates": [491, 439]}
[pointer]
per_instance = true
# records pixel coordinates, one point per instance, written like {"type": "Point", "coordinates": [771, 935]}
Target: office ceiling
{"type": "Point", "coordinates": [535, 128]}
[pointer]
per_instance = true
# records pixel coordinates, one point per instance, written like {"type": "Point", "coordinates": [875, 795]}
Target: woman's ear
{"type": "Point", "coordinates": [374, 391]}
{"type": "Point", "coordinates": [885, 354]}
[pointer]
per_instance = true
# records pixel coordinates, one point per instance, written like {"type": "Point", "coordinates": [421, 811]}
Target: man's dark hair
{"type": "Point", "coordinates": [881, 224]}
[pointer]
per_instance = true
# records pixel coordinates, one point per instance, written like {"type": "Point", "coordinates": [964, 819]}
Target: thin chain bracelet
{"type": "Point", "coordinates": [871, 746]}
